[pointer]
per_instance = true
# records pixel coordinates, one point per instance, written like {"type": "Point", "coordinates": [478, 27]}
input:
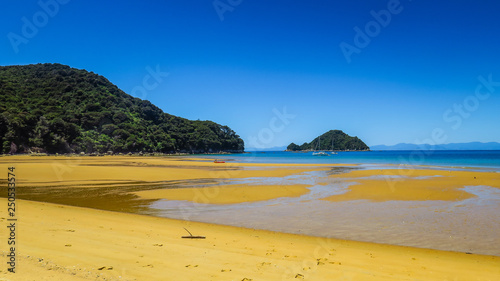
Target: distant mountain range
{"type": "Point", "coordinates": [448, 146]}
{"type": "Point", "coordinates": [275, 148]}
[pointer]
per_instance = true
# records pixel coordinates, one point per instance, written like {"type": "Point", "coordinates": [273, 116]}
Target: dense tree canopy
{"type": "Point", "coordinates": [57, 109]}
{"type": "Point", "coordinates": [331, 140]}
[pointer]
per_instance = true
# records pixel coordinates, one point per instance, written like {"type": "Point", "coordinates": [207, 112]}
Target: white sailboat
{"type": "Point", "coordinates": [333, 152]}
{"type": "Point", "coordinates": [320, 153]}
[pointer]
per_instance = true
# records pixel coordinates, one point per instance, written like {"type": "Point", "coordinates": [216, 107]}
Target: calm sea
{"type": "Point", "coordinates": [450, 158]}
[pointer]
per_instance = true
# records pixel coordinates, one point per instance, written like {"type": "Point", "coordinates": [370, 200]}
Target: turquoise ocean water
{"type": "Point", "coordinates": [487, 159]}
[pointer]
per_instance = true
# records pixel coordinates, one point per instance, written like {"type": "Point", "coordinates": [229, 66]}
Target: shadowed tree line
{"type": "Point", "coordinates": [57, 109]}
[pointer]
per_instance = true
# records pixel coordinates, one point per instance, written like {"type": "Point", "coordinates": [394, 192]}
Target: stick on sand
{"type": "Point", "coordinates": [191, 236]}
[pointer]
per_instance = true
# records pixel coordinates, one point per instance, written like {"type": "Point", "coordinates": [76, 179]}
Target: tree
{"type": "Point", "coordinates": [40, 134]}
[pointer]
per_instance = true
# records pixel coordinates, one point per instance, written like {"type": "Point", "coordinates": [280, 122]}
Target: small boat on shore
{"type": "Point", "coordinates": [320, 153]}
{"type": "Point", "coordinates": [219, 161]}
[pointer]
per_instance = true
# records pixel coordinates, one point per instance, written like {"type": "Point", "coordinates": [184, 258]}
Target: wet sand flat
{"type": "Point", "coordinates": [439, 208]}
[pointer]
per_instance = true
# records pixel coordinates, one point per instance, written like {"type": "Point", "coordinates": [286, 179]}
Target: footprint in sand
{"type": "Point", "coordinates": [105, 267]}
{"type": "Point", "coordinates": [299, 276]}
{"type": "Point", "coordinates": [321, 261]}
{"type": "Point", "coordinates": [225, 270]}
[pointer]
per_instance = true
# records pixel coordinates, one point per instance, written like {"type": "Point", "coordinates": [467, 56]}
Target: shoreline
{"type": "Point", "coordinates": [194, 159]}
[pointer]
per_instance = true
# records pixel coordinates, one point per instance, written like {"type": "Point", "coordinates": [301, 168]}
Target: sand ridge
{"type": "Point", "coordinates": [227, 194]}
{"type": "Point", "coordinates": [412, 184]}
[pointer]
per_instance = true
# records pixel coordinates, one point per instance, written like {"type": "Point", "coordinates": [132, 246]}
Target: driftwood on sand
{"type": "Point", "coordinates": [191, 236]}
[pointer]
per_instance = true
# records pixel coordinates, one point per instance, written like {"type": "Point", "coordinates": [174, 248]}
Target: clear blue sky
{"type": "Point", "coordinates": [418, 71]}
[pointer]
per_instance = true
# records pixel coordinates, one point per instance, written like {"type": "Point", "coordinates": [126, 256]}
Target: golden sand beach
{"type": "Point", "coordinates": [228, 194]}
{"type": "Point", "coordinates": [103, 239]}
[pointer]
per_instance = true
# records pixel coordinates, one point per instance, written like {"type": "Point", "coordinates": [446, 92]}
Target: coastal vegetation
{"type": "Point", "coordinates": [54, 108]}
{"type": "Point", "coordinates": [331, 140]}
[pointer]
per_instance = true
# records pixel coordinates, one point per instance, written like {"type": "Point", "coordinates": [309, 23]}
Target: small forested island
{"type": "Point", "coordinates": [333, 140]}
{"type": "Point", "coordinates": [53, 108]}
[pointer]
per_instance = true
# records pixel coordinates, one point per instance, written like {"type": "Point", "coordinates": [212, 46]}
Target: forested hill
{"type": "Point", "coordinates": [331, 140]}
{"type": "Point", "coordinates": [57, 109]}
